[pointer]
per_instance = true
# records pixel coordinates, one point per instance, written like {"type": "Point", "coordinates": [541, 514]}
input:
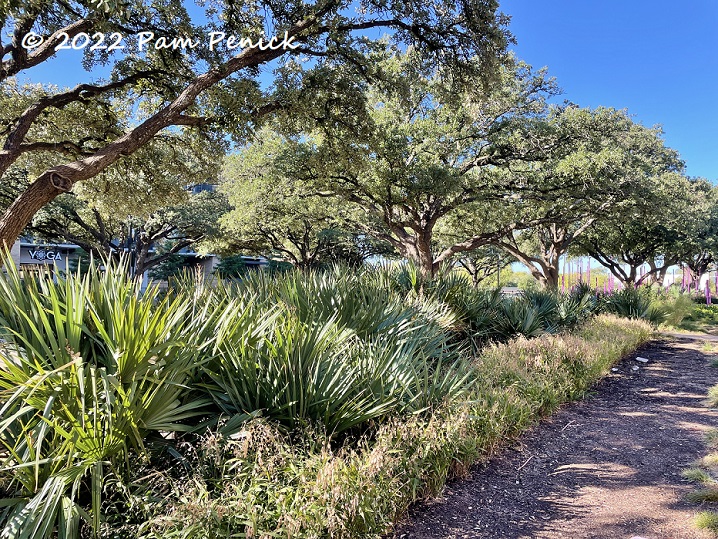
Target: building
{"type": "Point", "coordinates": [57, 258]}
{"type": "Point", "coordinates": [60, 258]}
{"type": "Point", "coordinates": [29, 255]}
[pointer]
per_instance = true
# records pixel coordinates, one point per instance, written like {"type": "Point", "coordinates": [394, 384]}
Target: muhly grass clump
{"type": "Point", "coordinates": [679, 308]}
{"type": "Point", "coordinates": [707, 520]}
{"type": "Point", "coordinates": [263, 483]}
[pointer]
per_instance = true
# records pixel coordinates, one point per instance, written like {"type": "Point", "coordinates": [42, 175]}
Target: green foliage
{"type": "Point", "coordinates": [536, 312]}
{"type": "Point", "coordinates": [578, 305]}
{"type": "Point", "coordinates": [231, 267]}
{"type": "Point", "coordinates": [173, 109]}
{"type": "Point", "coordinates": [699, 317]}
{"type": "Point", "coordinates": [339, 352]}
{"type": "Point", "coordinates": [487, 315]}
{"type": "Point", "coordinates": [635, 303]}
{"type": "Point", "coordinates": [522, 317]}
{"type": "Point", "coordinates": [173, 266]}
{"type": "Point", "coordinates": [81, 263]}
{"type": "Point", "coordinates": [680, 307]}
{"type": "Point", "coordinates": [421, 146]}
{"type": "Point", "coordinates": [277, 215]}
{"type": "Point", "coordinates": [151, 239]}
{"type": "Point", "coordinates": [89, 368]}
{"type": "Point", "coordinates": [261, 482]}
{"type": "Point", "coordinates": [508, 277]}
{"type": "Point", "coordinates": [483, 263]}
{"type": "Point", "coordinates": [352, 249]}
{"type": "Point", "coordinates": [703, 495]}
{"type": "Point", "coordinates": [697, 475]}
{"type": "Point", "coordinates": [707, 520]}
{"type": "Point", "coordinates": [656, 227]}
{"type": "Point", "coordinates": [93, 374]}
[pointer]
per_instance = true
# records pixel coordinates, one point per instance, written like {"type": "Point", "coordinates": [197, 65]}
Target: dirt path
{"type": "Point", "coordinates": [607, 467]}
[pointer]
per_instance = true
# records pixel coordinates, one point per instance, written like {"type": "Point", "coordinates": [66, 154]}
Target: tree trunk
{"type": "Point", "coordinates": [697, 271]}
{"type": "Point", "coordinates": [631, 279]}
{"type": "Point", "coordinates": [62, 177]}
{"type": "Point", "coordinates": [39, 193]}
{"type": "Point", "coordinates": [545, 269]}
{"type": "Point", "coordinates": [551, 277]}
{"type": "Point", "coordinates": [424, 256]}
{"type": "Point", "coordinates": [536, 273]}
{"type": "Point", "coordinates": [141, 264]}
{"type": "Point", "coordinates": [472, 270]}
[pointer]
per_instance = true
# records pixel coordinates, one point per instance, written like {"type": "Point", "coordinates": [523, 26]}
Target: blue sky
{"type": "Point", "coordinates": [658, 59]}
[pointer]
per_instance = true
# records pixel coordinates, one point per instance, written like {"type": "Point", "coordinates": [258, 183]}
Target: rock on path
{"type": "Point", "coordinates": [606, 467]}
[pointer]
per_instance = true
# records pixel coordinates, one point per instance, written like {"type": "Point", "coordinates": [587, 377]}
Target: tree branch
{"type": "Point", "coordinates": [20, 60]}
{"type": "Point", "coordinates": [12, 148]}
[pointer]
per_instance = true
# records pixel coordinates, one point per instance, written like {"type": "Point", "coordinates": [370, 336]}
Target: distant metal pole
{"type": "Point", "coordinates": [498, 272]}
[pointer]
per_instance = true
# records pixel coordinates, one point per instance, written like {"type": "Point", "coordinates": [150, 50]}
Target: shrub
{"type": "Point", "coordinates": [635, 303]}
{"type": "Point", "coordinates": [231, 267]}
{"type": "Point", "coordinates": [90, 368]}
{"type": "Point", "coordinates": [679, 308]}
{"type": "Point", "coordinates": [327, 348]}
{"type": "Point", "coordinates": [256, 379]}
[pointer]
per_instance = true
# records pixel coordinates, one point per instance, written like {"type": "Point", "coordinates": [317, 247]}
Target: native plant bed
{"type": "Point", "coordinates": [700, 318]}
{"type": "Point", "coordinates": [306, 405]}
{"type": "Point", "coordinates": [264, 482]}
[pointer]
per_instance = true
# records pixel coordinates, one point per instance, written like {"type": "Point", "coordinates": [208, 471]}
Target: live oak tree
{"type": "Point", "coordinates": [606, 162]}
{"type": "Point", "coordinates": [446, 171]}
{"type": "Point", "coordinates": [483, 263]}
{"type": "Point", "coordinates": [429, 148]}
{"type": "Point", "coordinates": [700, 239]}
{"type": "Point", "coordinates": [213, 92]}
{"type": "Point", "coordinates": [140, 206]}
{"type": "Point", "coordinates": [148, 240]}
{"type": "Point", "coordinates": [273, 213]}
{"type": "Point", "coordinates": [155, 174]}
{"type": "Point", "coordinates": [647, 235]}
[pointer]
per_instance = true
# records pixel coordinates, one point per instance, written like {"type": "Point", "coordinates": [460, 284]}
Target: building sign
{"type": "Point", "coordinates": [44, 254]}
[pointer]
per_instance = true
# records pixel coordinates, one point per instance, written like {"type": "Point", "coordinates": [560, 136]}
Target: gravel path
{"type": "Point", "coordinates": [606, 467]}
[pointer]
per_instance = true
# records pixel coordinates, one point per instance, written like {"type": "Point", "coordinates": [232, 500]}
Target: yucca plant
{"type": "Point", "coordinates": [576, 307]}
{"type": "Point", "coordinates": [90, 367]}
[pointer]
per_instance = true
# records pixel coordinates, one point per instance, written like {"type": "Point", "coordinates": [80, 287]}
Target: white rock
{"type": "Point", "coordinates": [642, 359]}
{"type": "Point", "coordinates": [635, 368]}
{"type": "Point", "coordinates": [614, 369]}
